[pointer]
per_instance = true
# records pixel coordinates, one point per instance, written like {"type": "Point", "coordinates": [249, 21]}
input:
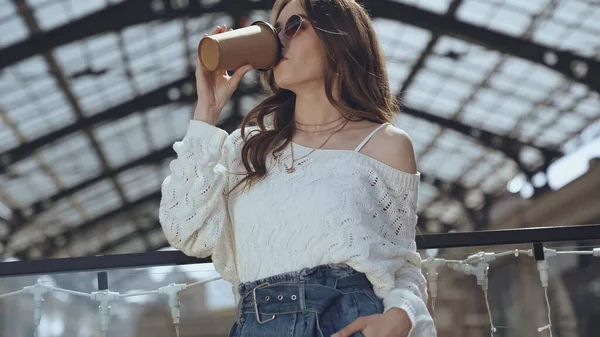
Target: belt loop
{"type": "Point", "coordinates": [239, 311]}
{"type": "Point", "coordinates": [302, 297]}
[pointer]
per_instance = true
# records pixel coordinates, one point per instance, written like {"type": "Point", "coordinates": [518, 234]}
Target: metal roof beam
{"type": "Point", "coordinates": [578, 68]}
{"type": "Point", "coordinates": [127, 13]}
{"type": "Point", "coordinates": [185, 88]}
{"type": "Point", "coordinates": [153, 158]}
{"type": "Point", "coordinates": [509, 146]}
{"type": "Point", "coordinates": [116, 17]}
{"type": "Point", "coordinates": [27, 15]}
{"type": "Point", "coordinates": [420, 62]}
{"type": "Point", "coordinates": [50, 247]}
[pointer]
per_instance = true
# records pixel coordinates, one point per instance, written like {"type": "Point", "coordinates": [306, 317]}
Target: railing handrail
{"type": "Point", "coordinates": [509, 236]}
{"type": "Point", "coordinates": [163, 258]}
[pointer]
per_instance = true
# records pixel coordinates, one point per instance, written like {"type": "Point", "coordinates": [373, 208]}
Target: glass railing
{"type": "Point", "coordinates": [500, 289]}
{"type": "Point", "coordinates": [186, 297]}
{"type": "Point", "coordinates": [484, 282]}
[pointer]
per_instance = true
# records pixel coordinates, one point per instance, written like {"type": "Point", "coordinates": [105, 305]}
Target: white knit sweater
{"type": "Point", "coordinates": [339, 206]}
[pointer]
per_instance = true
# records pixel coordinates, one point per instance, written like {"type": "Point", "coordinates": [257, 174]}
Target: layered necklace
{"type": "Point", "coordinates": [292, 168]}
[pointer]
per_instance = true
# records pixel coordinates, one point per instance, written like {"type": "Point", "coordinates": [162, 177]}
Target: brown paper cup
{"type": "Point", "coordinates": [257, 45]}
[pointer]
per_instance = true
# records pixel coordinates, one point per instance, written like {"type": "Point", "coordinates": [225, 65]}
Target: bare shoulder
{"type": "Point", "coordinates": [393, 147]}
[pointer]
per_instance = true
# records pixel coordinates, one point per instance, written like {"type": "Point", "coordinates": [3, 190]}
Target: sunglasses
{"type": "Point", "coordinates": [292, 26]}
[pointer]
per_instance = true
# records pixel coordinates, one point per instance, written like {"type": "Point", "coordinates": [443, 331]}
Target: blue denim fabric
{"type": "Point", "coordinates": [316, 301]}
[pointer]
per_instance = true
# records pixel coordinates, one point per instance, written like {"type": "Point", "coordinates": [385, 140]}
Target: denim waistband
{"type": "Point", "coordinates": [309, 289]}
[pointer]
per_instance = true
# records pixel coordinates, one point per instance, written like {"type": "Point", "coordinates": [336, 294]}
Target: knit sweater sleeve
{"type": "Point", "coordinates": [393, 264]}
{"type": "Point", "coordinates": [410, 295]}
{"type": "Point", "coordinates": [410, 286]}
{"type": "Point", "coordinates": [193, 208]}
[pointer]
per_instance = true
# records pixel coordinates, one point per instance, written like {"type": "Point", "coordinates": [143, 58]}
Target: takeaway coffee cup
{"type": "Point", "coordinates": [257, 45]}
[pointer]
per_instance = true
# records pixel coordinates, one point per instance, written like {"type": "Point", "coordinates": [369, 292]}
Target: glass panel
{"type": "Point", "coordinates": [515, 295]}
{"type": "Point", "coordinates": [206, 309]}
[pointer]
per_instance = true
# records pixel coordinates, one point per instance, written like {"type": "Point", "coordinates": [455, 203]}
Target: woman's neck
{"type": "Point", "coordinates": [313, 108]}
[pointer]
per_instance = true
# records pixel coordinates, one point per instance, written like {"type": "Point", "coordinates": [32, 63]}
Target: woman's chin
{"type": "Point", "coordinates": [290, 80]}
{"type": "Point", "coordinates": [283, 82]}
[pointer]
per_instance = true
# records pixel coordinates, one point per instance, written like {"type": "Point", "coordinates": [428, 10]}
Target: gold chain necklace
{"type": "Point", "coordinates": [318, 131]}
{"type": "Point", "coordinates": [292, 169]}
{"type": "Point", "coordinates": [333, 121]}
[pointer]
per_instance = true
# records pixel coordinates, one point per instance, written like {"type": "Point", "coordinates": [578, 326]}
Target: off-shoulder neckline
{"type": "Point", "coordinates": [412, 179]}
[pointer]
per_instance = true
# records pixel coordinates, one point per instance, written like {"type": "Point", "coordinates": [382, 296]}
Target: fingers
{"type": "Point", "coordinates": [354, 327]}
{"type": "Point", "coordinates": [236, 78]}
{"type": "Point", "coordinates": [219, 29]}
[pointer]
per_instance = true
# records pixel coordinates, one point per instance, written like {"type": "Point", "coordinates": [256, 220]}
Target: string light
{"type": "Point", "coordinates": [478, 266]}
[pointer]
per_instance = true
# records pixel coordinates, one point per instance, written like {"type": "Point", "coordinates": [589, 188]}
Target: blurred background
{"type": "Point", "coordinates": [500, 97]}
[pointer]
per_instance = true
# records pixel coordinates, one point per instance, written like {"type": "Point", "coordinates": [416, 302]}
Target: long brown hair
{"type": "Point", "coordinates": [353, 56]}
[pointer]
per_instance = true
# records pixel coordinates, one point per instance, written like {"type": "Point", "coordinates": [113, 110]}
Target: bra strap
{"type": "Point", "coordinates": [360, 146]}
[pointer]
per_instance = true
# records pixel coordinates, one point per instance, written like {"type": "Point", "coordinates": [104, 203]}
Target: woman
{"type": "Point", "coordinates": [311, 213]}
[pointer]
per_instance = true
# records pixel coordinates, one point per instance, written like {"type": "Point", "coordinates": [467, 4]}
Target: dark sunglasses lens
{"type": "Point", "coordinates": [292, 26]}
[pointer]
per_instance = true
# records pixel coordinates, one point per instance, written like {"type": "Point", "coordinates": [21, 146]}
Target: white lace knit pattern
{"type": "Point", "coordinates": [339, 206]}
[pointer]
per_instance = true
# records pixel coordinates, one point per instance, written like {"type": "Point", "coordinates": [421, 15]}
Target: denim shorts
{"type": "Point", "coordinates": [316, 301]}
